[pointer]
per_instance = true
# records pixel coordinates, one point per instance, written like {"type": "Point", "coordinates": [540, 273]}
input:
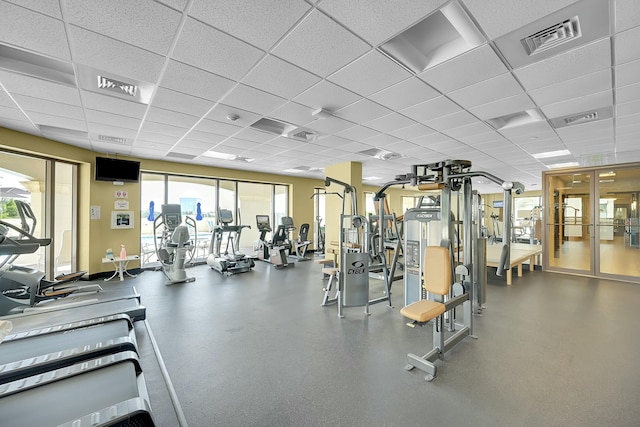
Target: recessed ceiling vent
{"type": "Point", "coordinates": [107, 83]}
{"type": "Point", "coordinates": [553, 36]}
{"type": "Point", "coordinates": [112, 139]}
{"type": "Point", "coordinates": [584, 117]}
{"type": "Point", "coordinates": [381, 154]}
{"type": "Point", "coordinates": [284, 129]}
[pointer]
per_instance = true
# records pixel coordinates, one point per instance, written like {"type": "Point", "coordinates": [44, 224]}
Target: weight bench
{"type": "Point", "coordinates": [437, 282]}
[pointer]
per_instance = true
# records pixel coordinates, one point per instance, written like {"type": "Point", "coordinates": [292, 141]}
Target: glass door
{"type": "Point", "coordinates": [569, 223]}
{"type": "Point", "coordinates": [617, 223]}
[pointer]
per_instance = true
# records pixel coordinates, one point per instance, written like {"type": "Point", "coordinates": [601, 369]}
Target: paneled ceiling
{"type": "Point", "coordinates": [184, 80]}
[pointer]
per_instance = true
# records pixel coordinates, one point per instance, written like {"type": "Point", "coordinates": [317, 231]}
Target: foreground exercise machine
{"type": "Point", "coordinates": [172, 243]}
{"type": "Point", "coordinates": [230, 261]}
{"type": "Point", "coordinates": [275, 250]}
{"type": "Point", "coordinates": [22, 287]}
{"type": "Point", "coordinates": [441, 281]}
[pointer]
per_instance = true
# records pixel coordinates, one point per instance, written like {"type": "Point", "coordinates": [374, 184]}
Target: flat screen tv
{"type": "Point", "coordinates": [108, 169]}
{"type": "Point", "coordinates": [498, 203]}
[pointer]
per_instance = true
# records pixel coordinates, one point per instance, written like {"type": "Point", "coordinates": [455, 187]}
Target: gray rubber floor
{"type": "Point", "coordinates": [257, 349]}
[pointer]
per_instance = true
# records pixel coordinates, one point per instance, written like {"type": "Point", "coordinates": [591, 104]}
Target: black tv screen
{"type": "Point", "coordinates": [117, 170]}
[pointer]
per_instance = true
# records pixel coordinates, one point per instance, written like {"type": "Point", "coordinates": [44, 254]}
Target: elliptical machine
{"type": "Point", "coordinates": [23, 287]}
{"type": "Point", "coordinates": [231, 261]}
{"type": "Point", "coordinates": [172, 243]}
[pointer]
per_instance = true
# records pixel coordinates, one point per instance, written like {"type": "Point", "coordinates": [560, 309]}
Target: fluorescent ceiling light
{"type": "Point", "coordinates": [563, 165]}
{"type": "Point", "coordinates": [300, 169]}
{"type": "Point", "coordinates": [371, 178]}
{"type": "Point", "coordinates": [446, 33]}
{"type": "Point", "coordinates": [218, 155]}
{"type": "Point", "coordinates": [36, 65]}
{"type": "Point", "coordinates": [549, 154]}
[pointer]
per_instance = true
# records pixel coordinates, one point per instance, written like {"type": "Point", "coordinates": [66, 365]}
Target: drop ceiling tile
{"type": "Point", "coordinates": [504, 16]}
{"type": "Point", "coordinates": [216, 127]}
{"type": "Point", "coordinates": [413, 131]}
{"type": "Point", "coordinates": [36, 88]}
{"type": "Point", "coordinates": [293, 113]}
{"type": "Point", "coordinates": [377, 20]}
{"type": "Point", "coordinates": [176, 101]}
{"type": "Point", "coordinates": [162, 128]}
{"type": "Point", "coordinates": [627, 93]}
{"type": "Point", "coordinates": [113, 105]}
{"type": "Point", "coordinates": [630, 120]}
{"type": "Point", "coordinates": [221, 112]}
{"type": "Point", "coordinates": [431, 109]}
{"type": "Point", "coordinates": [455, 120]}
{"type": "Point", "coordinates": [493, 89]}
{"type": "Point", "coordinates": [253, 100]}
{"type": "Point", "coordinates": [357, 133]}
{"type": "Point", "coordinates": [211, 50]}
{"type": "Point", "coordinates": [362, 111]}
{"type": "Point", "coordinates": [327, 95]}
{"type": "Point", "coordinates": [10, 114]}
{"type": "Point", "coordinates": [369, 74]}
{"type": "Point", "coordinates": [628, 74]}
{"type": "Point", "coordinates": [113, 56]}
{"type": "Point", "coordinates": [110, 119]}
{"type": "Point", "coordinates": [626, 46]}
{"type": "Point", "coordinates": [330, 125]}
{"type": "Point", "coordinates": [627, 14]}
{"type": "Point", "coordinates": [320, 45]}
{"type": "Point", "coordinates": [161, 115]}
{"type": "Point", "coordinates": [381, 140]}
{"type": "Point", "coordinates": [427, 140]}
{"type": "Point", "coordinates": [192, 144]}
{"type": "Point", "coordinates": [628, 109]}
{"type": "Point", "coordinates": [502, 107]}
{"type": "Point", "coordinates": [579, 86]}
{"type": "Point", "coordinates": [149, 25]}
{"type": "Point", "coordinates": [279, 77]}
{"type": "Point", "coordinates": [156, 137]}
{"type": "Point", "coordinates": [389, 122]}
{"type": "Point", "coordinates": [210, 138]}
{"type": "Point", "coordinates": [194, 81]}
{"type": "Point", "coordinates": [629, 130]}
{"type": "Point", "coordinates": [250, 134]}
{"type": "Point", "coordinates": [18, 30]}
{"type": "Point", "coordinates": [259, 23]}
{"type": "Point", "coordinates": [579, 105]}
{"type": "Point", "coordinates": [473, 129]}
{"type": "Point", "coordinates": [477, 140]}
{"type": "Point", "coordinates": [51, 8]}
{"type": "Point", "coordinates": [409, 92]}
{"type": "Point", "coordinates": [574, 63]}
{"type": "Point", "coordinates": [30, 104]}
{"type": "Point", "coordinates": [454, 74]}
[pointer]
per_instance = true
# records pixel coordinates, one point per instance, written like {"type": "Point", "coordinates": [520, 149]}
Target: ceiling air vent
{"type": "Point", "coordinates": [107, 83]}
{"type": "Point", "coordinates": [284, 129]}
{"type": "Point", "coordinates": [552, 36]}
{"type": "Point", "coordinates": [585, 117]}
{"type": "Point", "coordinates": [381, 154]}
{"type": "Point", "coordinates": [112, 139]}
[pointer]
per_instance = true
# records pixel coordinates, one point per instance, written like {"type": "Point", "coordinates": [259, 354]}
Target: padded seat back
{"type": "Point", "coordinates": [437, 278]}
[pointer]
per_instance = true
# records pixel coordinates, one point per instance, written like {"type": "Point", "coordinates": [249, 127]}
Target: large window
{"type": "Point", "coordinates": [200, 199]}
{"type": "Point", "coordinates": [46, 189]}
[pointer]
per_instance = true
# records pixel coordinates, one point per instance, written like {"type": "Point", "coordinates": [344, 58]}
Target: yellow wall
{"type": "Point", "coordinates": [95, 236]}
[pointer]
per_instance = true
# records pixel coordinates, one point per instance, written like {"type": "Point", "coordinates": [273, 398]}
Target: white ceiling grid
{"type": "Point", "coordinates": [207, 61]}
